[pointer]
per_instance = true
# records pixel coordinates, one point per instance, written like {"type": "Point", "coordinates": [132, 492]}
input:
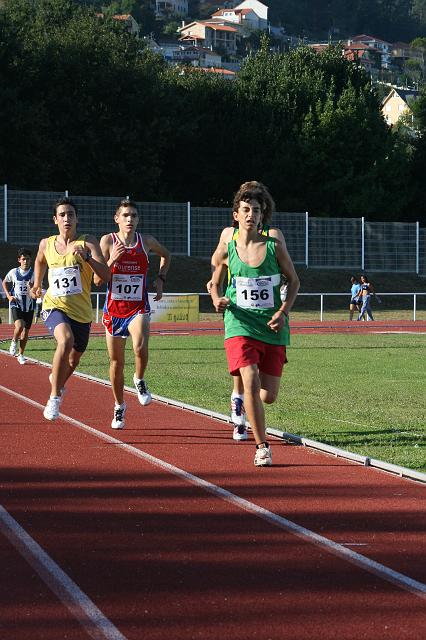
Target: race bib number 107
{"type": "Point", "coordinates": [254, 293]}
{"type": "Point", "coordinates": [126, 287]}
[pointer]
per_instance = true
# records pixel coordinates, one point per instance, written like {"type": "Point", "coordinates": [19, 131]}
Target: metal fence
{"type": "Point", "coordinates": [339, 243]}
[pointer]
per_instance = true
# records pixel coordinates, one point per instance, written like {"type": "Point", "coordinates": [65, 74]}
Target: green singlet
{"type": "Point", "coordinates": [254, 293]}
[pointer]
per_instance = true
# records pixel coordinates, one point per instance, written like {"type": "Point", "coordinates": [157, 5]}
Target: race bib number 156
{"type": "Point", "coordinates": [254, 293]}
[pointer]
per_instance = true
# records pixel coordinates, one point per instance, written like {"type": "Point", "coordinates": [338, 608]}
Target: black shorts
{"type": "Point", "coordinates": [26, 316]}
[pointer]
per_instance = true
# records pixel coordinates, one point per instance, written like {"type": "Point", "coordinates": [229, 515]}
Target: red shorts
{"type": "Point", "coordinates": [242, 351]}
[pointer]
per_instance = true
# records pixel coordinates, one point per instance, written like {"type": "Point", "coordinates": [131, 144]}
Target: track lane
{"type": "Point", "coordinates": [207, 567]}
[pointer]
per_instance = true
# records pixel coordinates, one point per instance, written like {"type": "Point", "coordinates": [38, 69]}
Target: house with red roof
{"type": "Point", "coordinates": [381, 46]}
{"type": "Point", "coordinates": [211, 34]}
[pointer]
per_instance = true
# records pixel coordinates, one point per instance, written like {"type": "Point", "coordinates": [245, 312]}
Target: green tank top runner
{"type": "Point", "coordinates": [254, 293]}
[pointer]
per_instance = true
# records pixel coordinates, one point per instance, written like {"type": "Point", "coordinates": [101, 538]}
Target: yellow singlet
{"type": "Point", "coordinates": [70, 280]}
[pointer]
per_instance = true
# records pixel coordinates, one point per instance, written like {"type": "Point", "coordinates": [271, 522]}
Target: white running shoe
{"type": "Point", "coordinates": [61, 391]}
{"type": "Point", "coordinates": [144, 395]}
{"type": "Point", "coordinates": [118, 421]}
{"type": "Point", "coordinates": [263, 457]}
{"type": "Point", "coordinates": [240, 433]}
{"type": "Point", "coordinates": [238, 413]}
{"type": "Point", "coordinates": [51, 410]}
{"type": "Point", "coordinates": [13, 348]}
{"type": "Point", "coordinates": [21, 359]}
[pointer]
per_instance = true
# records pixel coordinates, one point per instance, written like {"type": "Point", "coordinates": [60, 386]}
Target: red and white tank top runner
{"type": "Point", "coordinates": [126, 291]}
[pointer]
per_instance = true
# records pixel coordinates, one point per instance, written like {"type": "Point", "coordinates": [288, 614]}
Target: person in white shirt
{"type": "Point", "coordinates": [16, 285]}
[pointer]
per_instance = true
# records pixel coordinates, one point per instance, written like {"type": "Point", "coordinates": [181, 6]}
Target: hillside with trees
{"type": "Point", "coordinates": [391, 20]}
{"type": "Point", "coordinates": [84, 107]}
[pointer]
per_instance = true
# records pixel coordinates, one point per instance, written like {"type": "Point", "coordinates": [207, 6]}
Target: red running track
{"type": "Point", "coordinates": [308, 326]}
{"type": "Point", "coordinates": [149, 553]}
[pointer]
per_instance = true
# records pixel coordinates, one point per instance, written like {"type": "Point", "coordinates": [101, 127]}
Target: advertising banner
{"type": "Point", "coordinates": [175, 308]}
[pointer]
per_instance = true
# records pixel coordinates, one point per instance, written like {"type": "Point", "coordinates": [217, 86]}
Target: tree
{"type": "Point", "coordinates": [86, 99]}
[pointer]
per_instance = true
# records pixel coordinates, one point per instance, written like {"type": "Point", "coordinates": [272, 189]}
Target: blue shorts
{"type": "Point", "coordinates": [119, 327]}
{"type": "Point", "coordinates": [80, 330]}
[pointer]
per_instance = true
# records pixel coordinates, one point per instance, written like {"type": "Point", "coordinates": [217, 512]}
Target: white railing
{"type": "Point", "coordinates": [100, 295]}
{"type": "Point", "coordinates": [381, 295]}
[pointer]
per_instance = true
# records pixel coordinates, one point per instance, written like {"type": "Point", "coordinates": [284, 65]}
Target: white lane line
{"type": "Point", "coordinates": [82, 608]}
{"type": "Point", "coordinates": [336, 549]}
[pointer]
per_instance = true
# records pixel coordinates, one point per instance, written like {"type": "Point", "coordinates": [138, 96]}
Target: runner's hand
{"type": "Point", "coordinates": [36, 292]}
{"type": "Point", "coordinates": [277, 321]}
{"type": "Point", "coordinates": [220, 304]}
{"type": "Point", "coordinates": [159, 288]}
{"type": "Point", "coordinates": [117, 251]}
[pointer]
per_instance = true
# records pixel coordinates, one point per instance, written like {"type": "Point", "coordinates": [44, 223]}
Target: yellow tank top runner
{"type": "Point", "coordinates": [70, 280]}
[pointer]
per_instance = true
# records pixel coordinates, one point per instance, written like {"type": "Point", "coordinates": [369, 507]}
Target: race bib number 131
{"type": "Point", "coordinates": [65, 281]}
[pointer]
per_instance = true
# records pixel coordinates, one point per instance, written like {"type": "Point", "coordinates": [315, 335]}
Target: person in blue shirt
{"type": "Point", "coordinates": [367, 291]}
{"type": "Point", "coordinates": [355, 303]}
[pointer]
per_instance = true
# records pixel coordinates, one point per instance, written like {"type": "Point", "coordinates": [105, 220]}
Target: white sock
{"type": "Point", "coordinates": [237, 395]}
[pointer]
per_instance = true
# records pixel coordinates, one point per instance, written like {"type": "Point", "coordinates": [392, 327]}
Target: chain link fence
{"type": "Point", "coordinates": [340, 243]}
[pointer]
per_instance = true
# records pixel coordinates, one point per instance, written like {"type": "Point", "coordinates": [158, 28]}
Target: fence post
{"type": "Point", "coordinates": [66, 193]}
{"type": "Point", "coordinates": [417, 247]}
{"type": "Point", "coordinates": [414, 306]}
{"type": "Point", "coordinates": [362, 243]}
{"type": "Point", "coordinates": [5, 214]}
{"type": "Point", "coordinates": [307, 239]}
{"type": "Point", "coordinates": [188, 221]}
{"type": "Point", "coordinates": [322, 307]}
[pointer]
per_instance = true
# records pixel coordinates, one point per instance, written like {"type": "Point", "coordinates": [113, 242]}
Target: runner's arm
{"type": "Point", "coordinates": [219, 301]}
{"type": "Point", "coordinates": [92, 254]}
{"type": "Point", "coordinates": [293, 283]}
{"type": "Point", "coordinates": [225, 238]}
{"type": "Point", "coordinates": [109, 255]}
{"type": "Point", "coordinates": [40, 267]}
{"type": "Point", "coordinates": [7, 286]}
{"type": "Point", "coordinates": [154, 245]}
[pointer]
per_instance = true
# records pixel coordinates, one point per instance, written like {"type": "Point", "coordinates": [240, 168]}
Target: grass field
{"type": "Point", "coordinates": [363, 393]}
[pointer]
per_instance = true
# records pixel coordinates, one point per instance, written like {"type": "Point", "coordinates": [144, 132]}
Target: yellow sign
{"type": "Point", "coordinates": [174, 308]}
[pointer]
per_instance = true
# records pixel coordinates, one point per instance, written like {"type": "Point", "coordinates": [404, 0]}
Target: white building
{"type": "Point", "coordinates": [250, 14]}
{"type": "Point", "coordinates": [169, 8]}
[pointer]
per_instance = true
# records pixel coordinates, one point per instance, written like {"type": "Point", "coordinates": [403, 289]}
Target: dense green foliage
{"type": "Point", "coordinates": [391, 20]}
{"type": "Point", "coordinates": [84, 107]}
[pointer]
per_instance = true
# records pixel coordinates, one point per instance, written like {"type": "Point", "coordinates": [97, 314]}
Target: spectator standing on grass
{"type": "Point", "coordinates": [256, 320]}
{"type": "Point", "coordinates": [238, 415]}
{"type": "Point", "coordinates": [355, 297]}
{"type": "Point", "coordinates": [126, 310]}
{"type": "Point", "coordinates": [17, 285]}
{"type": "Point", "coordinates": [71, 260]}
{"type": "Point", "coordinates": [367, 290]}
